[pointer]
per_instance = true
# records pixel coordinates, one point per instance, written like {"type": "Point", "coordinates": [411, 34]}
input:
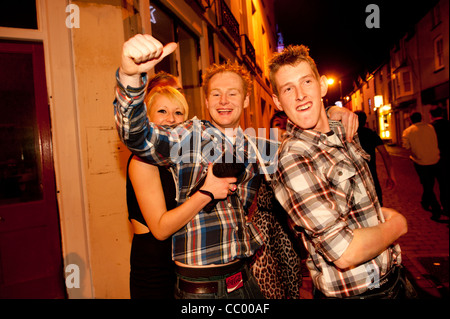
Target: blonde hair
{"type": "Point", "coordinates": [171, 93]}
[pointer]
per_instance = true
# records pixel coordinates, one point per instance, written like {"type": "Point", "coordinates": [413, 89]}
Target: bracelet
{"type": "Point", "coordinates": [207, 193]}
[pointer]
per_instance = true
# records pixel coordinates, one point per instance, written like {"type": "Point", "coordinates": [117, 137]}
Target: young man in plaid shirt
{"type": "Point", "coordinates": [211, 250]}
{"type": "Point", "coordinates": [324, 184]}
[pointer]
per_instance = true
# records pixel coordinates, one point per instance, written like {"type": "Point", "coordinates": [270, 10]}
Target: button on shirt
{"type": "Point", "coordinates": [326, 188]}
{"type": "Point", "coordinates": [217, 237]}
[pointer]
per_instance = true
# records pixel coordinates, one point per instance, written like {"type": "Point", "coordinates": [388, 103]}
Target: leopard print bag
{"type": "Point", "coordinates": [276, 265]}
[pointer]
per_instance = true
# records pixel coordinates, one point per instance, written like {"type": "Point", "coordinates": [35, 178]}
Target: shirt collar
{"type": "Point", "coordinates": [316, 137]}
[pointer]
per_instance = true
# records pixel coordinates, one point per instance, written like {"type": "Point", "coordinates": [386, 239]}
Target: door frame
{"type": "Point", "coordinates": [70, 182]}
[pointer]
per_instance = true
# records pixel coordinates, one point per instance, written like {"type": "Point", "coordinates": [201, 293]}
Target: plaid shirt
{"type": "Point", "coordinates": [327, 190]}
{"type": "Point", "coordinates": [224, 234]}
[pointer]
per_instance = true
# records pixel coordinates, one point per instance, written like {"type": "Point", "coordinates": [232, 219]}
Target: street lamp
{"type": "Point", "coordinates": [331, 81]}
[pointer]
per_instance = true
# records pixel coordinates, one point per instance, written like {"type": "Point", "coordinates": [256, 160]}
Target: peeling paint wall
{"type": "Point", "coordinates": [97, 47]}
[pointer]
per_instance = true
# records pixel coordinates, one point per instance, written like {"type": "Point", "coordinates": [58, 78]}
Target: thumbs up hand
{"type": "Point", "coordinates": [139, 55]}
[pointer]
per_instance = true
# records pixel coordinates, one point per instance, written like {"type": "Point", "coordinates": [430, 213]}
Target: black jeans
{"type": "Point", "coordinates": [427, 175]}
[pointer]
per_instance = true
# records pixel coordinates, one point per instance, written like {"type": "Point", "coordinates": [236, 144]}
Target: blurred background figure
{"type": "Point", "coordinates": [442, 128]}
{"type": "Point", "coordinates": [279, 120]}
{"type": "Point", "coordinates": [163, 79]}
{"type": "Point", "coordinates": [420, 138]}
{"type": "Point", "coordinates": [370, 142]}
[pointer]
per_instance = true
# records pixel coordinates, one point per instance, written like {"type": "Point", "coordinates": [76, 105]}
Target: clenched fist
{"type": "Point", "coordinates": [139, 55]}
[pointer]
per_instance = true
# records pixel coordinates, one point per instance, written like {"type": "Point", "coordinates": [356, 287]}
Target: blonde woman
{"type": "Point", "coordinates": [152, 207]}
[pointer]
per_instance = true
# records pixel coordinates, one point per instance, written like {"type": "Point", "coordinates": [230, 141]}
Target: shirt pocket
{"type": "Point", "coordinates": [341, 174]}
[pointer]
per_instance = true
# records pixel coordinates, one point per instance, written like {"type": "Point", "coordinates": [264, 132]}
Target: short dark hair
{"type": "Point", "coordinates": [436, 111]}
{"type": "Point", "coordinates": [279, 115]}
{"type": "Point", "coordinates": [416, 117]}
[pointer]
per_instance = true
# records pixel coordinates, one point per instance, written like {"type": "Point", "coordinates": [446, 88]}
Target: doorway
{"type": "Point", "coordinates": [30, 245]}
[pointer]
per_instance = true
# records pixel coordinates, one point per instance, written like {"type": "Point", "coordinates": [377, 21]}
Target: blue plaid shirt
{"type": "Point", "coordinates": [224, 234]}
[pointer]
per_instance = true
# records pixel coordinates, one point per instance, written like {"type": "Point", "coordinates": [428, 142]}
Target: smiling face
{"type": "Point", "coordinates": [165, 111]}
{"type": "Point", "coordinates": [226, 100]}
{"type": "Point", "coordinates": [300, 95]}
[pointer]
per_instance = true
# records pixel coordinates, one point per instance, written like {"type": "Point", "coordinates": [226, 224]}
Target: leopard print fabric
{"type": "Point", "coordinates": [276, 265]}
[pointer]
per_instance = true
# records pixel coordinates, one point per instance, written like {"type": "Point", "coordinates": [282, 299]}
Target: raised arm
{"type": "Point", "coordinates": [140, 54]}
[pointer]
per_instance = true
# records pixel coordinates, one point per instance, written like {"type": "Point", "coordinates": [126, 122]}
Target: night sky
{"type": "Point", "coordinates": [336, 33]}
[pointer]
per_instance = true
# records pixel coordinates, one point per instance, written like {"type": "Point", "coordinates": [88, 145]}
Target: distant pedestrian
{"type": "Point", "coordinates": [442, 127]}
{"type": "Point", "coordinates": [370, 142]}
{"type": "Point", "coordinates": [420, 138]}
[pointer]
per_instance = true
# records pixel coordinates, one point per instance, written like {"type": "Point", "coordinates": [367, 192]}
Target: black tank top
{"type": "Point", "coordinates": [168, 185]}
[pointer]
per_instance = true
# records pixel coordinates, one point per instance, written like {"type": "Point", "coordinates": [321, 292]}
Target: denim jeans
{"type": "Point", "coordinates": [249, 290]}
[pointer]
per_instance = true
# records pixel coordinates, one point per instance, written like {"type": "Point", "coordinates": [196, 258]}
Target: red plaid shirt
{"type": "Point", "coordinates": [326, 188]}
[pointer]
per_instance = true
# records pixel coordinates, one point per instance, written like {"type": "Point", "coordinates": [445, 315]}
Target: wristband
{"type": "Point", "coordinates": [207, 193]}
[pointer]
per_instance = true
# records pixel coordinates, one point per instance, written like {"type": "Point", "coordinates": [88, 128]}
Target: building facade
{"type": "Point", "coordinates": [415, 77]}
{"type": "Point", "coordinates": [77, 233]}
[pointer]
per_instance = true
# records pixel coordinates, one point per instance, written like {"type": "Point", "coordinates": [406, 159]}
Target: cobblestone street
{"type": "Point", "coordinates": [425, 247]}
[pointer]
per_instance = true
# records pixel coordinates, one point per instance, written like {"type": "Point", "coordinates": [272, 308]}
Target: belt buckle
{"type": "Point", "coordinates": [234, 282]}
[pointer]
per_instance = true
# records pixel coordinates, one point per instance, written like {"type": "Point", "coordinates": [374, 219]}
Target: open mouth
{"type": "Point", "coordinates": [224, 111]}
{"type": "Point", "coordinates": [304, 107]}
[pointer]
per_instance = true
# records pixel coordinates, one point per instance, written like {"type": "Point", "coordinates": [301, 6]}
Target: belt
{"type": "Point", "coordinates": [210, 284]}
{"type": "Point", "coordinates": [210, 287]}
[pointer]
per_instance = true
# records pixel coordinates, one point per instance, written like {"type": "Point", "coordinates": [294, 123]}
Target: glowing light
{"type": "Point", "coordinates": [330, 81]}
{"type": "Point", "coordinates": [378, 101]}
{"type": "Point", "coordinates": [385, 108]}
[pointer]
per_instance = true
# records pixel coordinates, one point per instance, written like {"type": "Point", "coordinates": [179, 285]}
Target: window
{"type": "Point", "coordinates": [435, 16]}
{"type": "Point", "coordinates": [438, 53]}
{"type": "Point", "coordinates": [403, 84]}
{"type": "Point", "coordinates": [185, 62]}
{"type": "Point", "coordinates": [19, 14]}
{"type": "Point", "coordinates": [406, 78]}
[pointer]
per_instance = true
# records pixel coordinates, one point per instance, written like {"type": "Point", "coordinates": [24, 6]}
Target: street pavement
{"type": "Point", "coordinates": [425, 248]}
